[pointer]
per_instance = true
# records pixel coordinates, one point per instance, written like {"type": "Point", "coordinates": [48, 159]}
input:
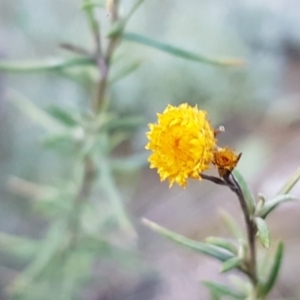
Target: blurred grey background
{"type": "Point", "coordinates": [258, 103]}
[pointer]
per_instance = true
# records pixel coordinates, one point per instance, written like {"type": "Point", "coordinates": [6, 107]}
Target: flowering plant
{"type": "Point", "coordinates": [184, 145]}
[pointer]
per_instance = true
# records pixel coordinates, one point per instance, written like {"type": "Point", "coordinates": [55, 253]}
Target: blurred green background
{"type": "Point", "coordinates": [258, 103]}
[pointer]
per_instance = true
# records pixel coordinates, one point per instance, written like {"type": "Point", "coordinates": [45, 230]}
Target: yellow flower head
{"type": "Point", "coordinates": [225, 159]}
{"type": "Point", "coordinates": [182, 142]}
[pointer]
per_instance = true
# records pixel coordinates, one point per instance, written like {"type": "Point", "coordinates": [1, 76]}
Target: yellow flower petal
{"type": "Point", "coordinates": [182, 142]}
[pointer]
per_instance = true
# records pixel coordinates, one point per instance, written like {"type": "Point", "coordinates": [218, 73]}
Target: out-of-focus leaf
{"type": "Point", "coordinates": [118, 27]}
{"type": "Point", "coordinates": [116, 30]}
{"type": "Point", "coordinates": [36, 114]}
{"type": "Point", "coordinates": [267, 286]}
{"type": "Point", "coordinates": [116, 253]}
{"type": "Point", "coordinates": [90, 4]}
{"type": "Point", "coordinates": [111, 190]}
{"type": "Point", "coordinates": [63, 143]}
{"type": "Point", "coordinates": [134, 8]}
{"type": "Point", "coordinates": [125, 71]}
{"type": "Point", "coordinates": [222, 243]}
{"type": "Point", "coordinates": [67, 142]}
{"type": "Point", "coordinates": [49, 247]}
{"type": "Point", "coordinates": [290, 183]}
{"type": "Point", "coordinates": [89, 145]}
{"type": "Point", "coordinates": [180, 52]}
{"type": "Point", "coordinates": [231, 263]}
{"type": "Point", "coordinates": [223, 290]}
{"type": "Point", "coordinates": [244, 286]}
{"type": "Point", "coordinates": [62, 116]}
{"type": "Point", "coordinates": [43, 65]}
{"type": "Point", "coordinates": [55, 205]}
{"type": "Point", "coordinates": [263, 232]}
{"type": "Point", "coordinates": [124, 123]}
{"type": "Point", "coordinates": [231, 224]}
{"type": "Point", "coordinates": [203, 248]}
{"type": "Point", "coordinates": [21, 247]}
{"type": "Point", "coordinates": [131, 163]}
{"type": "Point", "coordinates": [117, 138]}
{"type": "Point", "coordinates": [273, 203]}
{"type": "Point", "coordinates": [249, 198]}
{"type": "Point", "coordinates": [76, 270]}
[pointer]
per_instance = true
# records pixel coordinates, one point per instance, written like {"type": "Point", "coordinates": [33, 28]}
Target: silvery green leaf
{"type": "Point", "coordinates": [196, 246]}
{"type": "Point", "coordinates": [176, 51]}
{"type": "Point", "coordinates": [222, 243]}
{"type": "Point", "coordinates": [231, 263]}
{"type": "Point", "coordinates": [249, 198]}
{"type": "Point", "coordinates": [223, 290]}
{"type": "Point", "coordinates": [53, 64]}
{"type": "Point", "coordinates": [62, 115]}
{"type": "Point", "coordinates": [263, 232]}
{"type": "Point", "coordinates": [267, 286]}
{"type": "Point", "coordinates": [290, 183]}
{"type": "Point", "coordinates": [273, 203]}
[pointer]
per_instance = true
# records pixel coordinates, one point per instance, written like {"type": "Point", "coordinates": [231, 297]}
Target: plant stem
{"type": "Point", "coordinates": [230, 181]}
{"type": "Point", "coordinates": [104, 60]}
{"type": "Point", "coordinates": [250, 226]}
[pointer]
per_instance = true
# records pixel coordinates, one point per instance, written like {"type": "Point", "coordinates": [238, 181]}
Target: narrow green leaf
{"type": "Point", "coordinates": [44, 65]}
{"type": "Point", "coordinates": [56, 236]}
{"type": "Point", "coordinates": [124, 123]}
{"type": "Point", "coordinates": [131, 163]}
{"type": "Point", "coordinates": [116, 30]}
{"type": "Point", "coordinates": [110, 188]}
{"type": "Point", "coordinates": [118, 27]}
{"type": "Point", "coordinates": [263, 232]}
{"type": "Point", "coordinates": [267, 286]}
{"type": "Point", "coordinates": [290, 183]}
{"type": "Point", "coordinates": [180, 52]}
{"type": "Point", "coordinates": [222, 243]}
{"type": "Point", "coordinates": [133, 9]}
{"type": "Point", "coordinates": [214, 295]}
{"type": "Point", "coordinates": [222, 289]}
{"type": "Point", "coordinates": [90, 4]}
{"type": "Point", "coordinates": [117, 138]}
{"type": "Point", "coordinates": [232, 263]}
{"type": "Point", "coordinates": [125, 71]}
{"type": "Point", "coordinates": [231, 224]}
{"type": "Point", "coordinates": [203, 248]}
{"type": "Point", "coordinates": [62, 115]}
{"type": "Point", "coordinates": [240, 284]}
{"type": "Point", "coordinates": [35, 113]}
{"type": "Point", "coordinates": [273, 203]}
{"type": "Point", "coordinates": [101, 248]}
{"type": "Point", "coordinates": [63, 143]}
{"type": "Point", "coordinates": [245, 190]}
{"type": "Point", "coordinates": [20, 247]}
